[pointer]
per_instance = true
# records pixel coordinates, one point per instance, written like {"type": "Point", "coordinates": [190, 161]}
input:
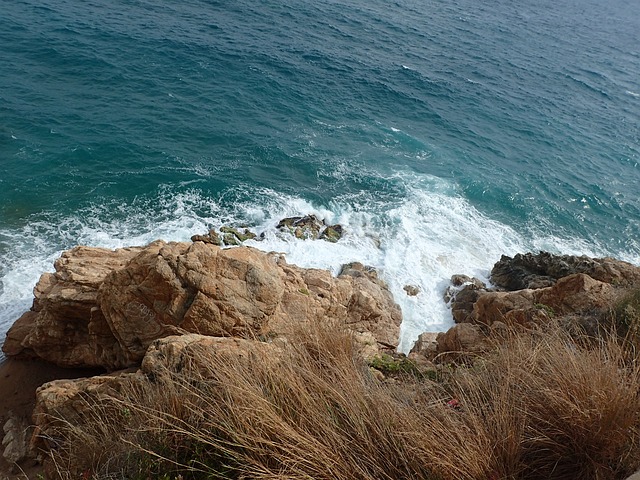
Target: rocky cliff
{"type": "Point", "coordinates": [104, 308]}
{"type": "Point", "coordinates": [145, 308]}
{"type": "Point", "coordinates": [529, 291]}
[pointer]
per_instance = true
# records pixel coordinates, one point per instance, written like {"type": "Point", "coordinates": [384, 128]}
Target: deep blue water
{"type": "Point", "coordinates": [440, 133]}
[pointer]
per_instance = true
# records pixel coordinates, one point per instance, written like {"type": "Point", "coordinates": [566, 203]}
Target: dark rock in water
{"type": "Point", "coordinates": [288, 222]}
{"type": "Point", "coordinates": [463, 301]}
{"type": "Point", "coordinates": [411, 290]}
{"type": "Point", "coordinates": [230, 239]}
{"type": "Point", "coordinates": [357, 269]}
{"type": "Point", "coordinates": [332, 233]}
{"type": "Point", "coordinates": [230, 236]}
{"type": "Point", "coordinates": [462, 294]}
{"type": "Point", "coordinates": [246, 235]}
{"type": "Point", "coordinates": [460, 280]}
{"type": "Point", "coordinates": [458, 283]}
{"type": "Point", "coordinates": [310, 227]}
{"type": "Point", "coordinates": [212, 237]}
{"type": "Point", "coordinates": [543, 269]}
{"type": "Point", "coordinates": [307, 227]}
{"type": "Point", "coordinates": [230, 232]}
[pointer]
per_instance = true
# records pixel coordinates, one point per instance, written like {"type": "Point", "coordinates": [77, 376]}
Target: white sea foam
{"type": "Point", "coordinates": [419, 239]}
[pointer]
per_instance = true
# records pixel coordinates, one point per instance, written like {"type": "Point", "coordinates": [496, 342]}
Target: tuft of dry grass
{"type": "Point", "coordinates": [542, 406]}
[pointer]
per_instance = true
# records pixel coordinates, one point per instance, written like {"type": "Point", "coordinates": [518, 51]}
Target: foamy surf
{"type": "Point", "coordinates": [419, 239]}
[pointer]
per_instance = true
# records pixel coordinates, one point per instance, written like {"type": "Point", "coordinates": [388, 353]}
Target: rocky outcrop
{"type": "Point", "coordinates": [532, 290]}
{"type": "Point", "coordinates": [574, 294]}
{"type": "Point", "coordinates": [58, 326]}
{"type": "Point", "coordinates": [180, 308]}
{"type": "Point", "coordinates": [187, 352]}
{"type": "Point", "coordinates": [307, 227]}
{"type": "Point", "coordinates": [544, 269]}
{"type": "Point", "coordinates": [461, 295]}
{"type": "Point", "coordinates": [537, 287]}
{"type": "Point", "coordinates": [426, 345]}
{"type": "Point", "coordinates": [210, 237]}
{"type": "Point", "coordinates": [189, 356]}
{"type": "Point", "coordinates": [411, 290]}
{"type": "Point", "coordinates": [228, 236]}
{"type": "Point", "coordinates": [310, 227]}
{"type": "Point", "coordinates": [462, 338]}
{"type": "Point", "coordinates": [104, 308]}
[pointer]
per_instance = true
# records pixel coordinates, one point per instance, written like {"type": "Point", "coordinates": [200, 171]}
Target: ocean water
{"type": "Point", "coordinates": [441, 134]}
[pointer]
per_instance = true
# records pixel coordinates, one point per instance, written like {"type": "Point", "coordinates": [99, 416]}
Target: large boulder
{"type": "Point", "coordinates": [571, 295]}
{"type": "Point", "coordinates": [57, 326]}
{"type": "Point", "coordinates": [64, 403]}
{"type": "Point", "coordinates": [463, 338]}
{"type": "Point", "coordinates": [180, 353]}
{"type": "Point", "coordinates": [110, 317]}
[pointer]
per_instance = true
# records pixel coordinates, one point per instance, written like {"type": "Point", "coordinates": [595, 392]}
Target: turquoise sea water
{"type": "Point", "coordinates": [441, 134]}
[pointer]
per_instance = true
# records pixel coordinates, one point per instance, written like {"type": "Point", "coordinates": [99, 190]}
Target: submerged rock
{"type": "Point", "coordinates": [332, 233]}
{"type": "Point", "coordinates": [228, 236]}
{"type": "Point", "coordinates": [309, 227]}
{"type": "Point", "coordinates": [412, 290]}
{"type": "Point", "coordinates": [234, 235]}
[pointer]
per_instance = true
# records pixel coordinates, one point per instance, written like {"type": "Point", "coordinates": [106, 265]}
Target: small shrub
{"type": "Point", "coordinates": [395, 365]}
{"type": "Point", "coordinates": [551, 313]}
{"type": "Point", "coordinates": [626, 313]}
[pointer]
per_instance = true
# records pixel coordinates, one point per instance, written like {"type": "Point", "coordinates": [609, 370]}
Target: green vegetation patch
{"type": "Point", "coordinates": [399, 365]}
{"type": "Point", "coordinates": [626, 313]}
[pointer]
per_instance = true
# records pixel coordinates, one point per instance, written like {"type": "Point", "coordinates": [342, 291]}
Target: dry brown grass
{"type": "Point", "coordinates": [543, 406]}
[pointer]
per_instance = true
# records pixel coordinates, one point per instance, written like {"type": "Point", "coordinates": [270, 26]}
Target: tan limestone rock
{"type": "Point", "coordinates": [72, 402]}
{"type": "Point", "coordinates": [426, 345]}
{"type": "Point", "coordinates": [463, 338]}
{"type": "Point", "coordinates": [110, 317]}
{"type": "Point", "coordinates": [574, 294]}
{"type": "Point", "coordinates": [577, 293]}
{"type": "Point", "coordinates": [57, 326]}
{"type": "Point", "coordinates": [177, 353]}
